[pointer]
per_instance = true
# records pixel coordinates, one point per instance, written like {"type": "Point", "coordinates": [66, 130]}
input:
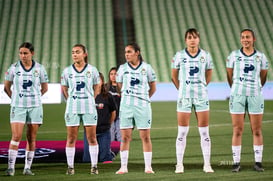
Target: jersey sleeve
{"type": "Point", "coordinates": [44, 76]}
{"type": "Point", "coordinates": [119, 75]}
{"type": "Point", "coordinates": [151, 74]}
{"type": "Point", "coordinates": [96, 77]}
{"type": "Point", "coordinates": [264, 63]}
{"type": "Point", "coordinates": [64, 75]}
{"type": "Point", "coordinates": [175, 61]}
{"type": "Point", "coordinates": [209, 61]}
{"type": "Point", "coordinates": [9, 75]}
{"type": "Point", "coordinates": [230, 61]}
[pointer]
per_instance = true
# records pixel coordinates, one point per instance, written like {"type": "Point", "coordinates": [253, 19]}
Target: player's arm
{"type": "Point", "coordinates": [119, 85]}
{"type": "Point", "coordinates": [44, 87]}
{"type": "Point", "coordinates": [208, 75]}
{"type": "Point", "coordinates": [113, 116]}
{"type": "Point", "coordinates": [229, 76]}
{"type": "Point", "coordinates": [65, 91]}
{"type": "Point", "coordinates": [7, 88]}
{"type": "Point", "coordinates": [175, 80]}
{"type": "Point", "coordinates": [263, 75]}
{"type": "Point", "coordinates": [96, 88]}
{"type": "Point", "coordinates": [152, 88]}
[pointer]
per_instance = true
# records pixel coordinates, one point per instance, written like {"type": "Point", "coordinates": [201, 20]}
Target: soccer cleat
{"type": "Point", "coordinates": [122, 170]}
{"type": "Point", "coordinates": [258, 167]}
{"type": "Point", "coordinates": [70, 171]}
{"type": "Point", "coordinates": [106, 162]}
{"type": "Point", "coordinates": [179, 168]}
{"type": "Point", "coordinates": [208, 169]}
{"type": "Point", "coordinates": [10, 172]}
{"type": "Point", "coordinates": [149, 170]}
{"type": "Point", "coordinates": [94, 171]}
{"type": "Point", "coordinates": [27, 171]}
{"type": "Point", "coordinates": [236, 167]}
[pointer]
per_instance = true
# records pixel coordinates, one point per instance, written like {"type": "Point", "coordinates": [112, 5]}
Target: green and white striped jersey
{"type": "Point", "coordinates": [246, 72]}
{"type": "Point", "coordinates": [135, 83]}
{"type": "Point", "coordinates": [192, 73]}
{"type": "Point", "coordinates": [26, 90]}
{"type": "Point", "coordinates": [80, 89]}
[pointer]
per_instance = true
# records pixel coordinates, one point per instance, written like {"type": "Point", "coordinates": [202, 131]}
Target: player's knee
{"type": "Point", "coordinates": [257, 133]}
{"type": "Point", "coordinates": [126, 139]}
{"type": "Point", "coordinates": [237, 133]}
{"type": "Point", "coordinates": [146, 139]}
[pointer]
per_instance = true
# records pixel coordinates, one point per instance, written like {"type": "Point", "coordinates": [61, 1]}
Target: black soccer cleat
{"type": "Point", "coordinates": [258, 167]}
{"type": "Point", "coordinates": [236, 167]}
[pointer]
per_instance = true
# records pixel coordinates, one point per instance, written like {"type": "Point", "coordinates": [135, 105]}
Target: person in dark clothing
{"type": "Point", "coordinates": [106, 110]}
{"type": "Point", "coordinates": [112, 88]}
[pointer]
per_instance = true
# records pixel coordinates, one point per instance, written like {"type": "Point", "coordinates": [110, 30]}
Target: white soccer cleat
{"type": "Point", "coordinates": [208, 169]}
{"type": "Point", "coordinates": [179, 168]}
{"type": "Point", "coordinates": [122, 170]}
{"type": "Point", "coordinates": [149, 170]}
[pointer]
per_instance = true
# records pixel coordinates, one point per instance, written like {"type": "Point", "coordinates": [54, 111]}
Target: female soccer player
{"type": "Point", "coordinates": [191, 73]}
{"type": "Point", "coordinates": [246, 74]}
{"type": "Point", "coordinates": [137, 82]}
{"type": "Point", "coordinates": [30, 82]}
{"type": "Point", "coordinates": [80, 86]}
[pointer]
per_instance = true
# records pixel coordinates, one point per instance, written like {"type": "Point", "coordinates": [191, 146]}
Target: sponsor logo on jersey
{"type": "Point", "coordinates": [27, 83]}
{"type": "Point", "coordinates": [239, 59]}
{"type": "Point", "coordinates": [134, 81]}
{"type": "Point", "coordinates": [248, 68]}
{"type": "Point", "coordinates": [18, 73]}
{"type": "Point", "coordinates": [80, 85]}
{"type": "Point", "coordinates": [193, 70]}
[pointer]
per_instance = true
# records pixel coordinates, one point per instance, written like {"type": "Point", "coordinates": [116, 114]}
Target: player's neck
{"type": "Point", "coordinates": [248, 50]}
{"type": "Point", "coordinates": [27, 64]}
{"type": "Point", "coordinates": [192, 50]}
{"type": "Point", "coordinates": [134, 63]}
{"type": "Point", "coordinates": [79, 65]}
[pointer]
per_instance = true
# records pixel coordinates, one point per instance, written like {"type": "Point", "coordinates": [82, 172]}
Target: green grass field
{"type": "Point", "coordinates": [164, 130]}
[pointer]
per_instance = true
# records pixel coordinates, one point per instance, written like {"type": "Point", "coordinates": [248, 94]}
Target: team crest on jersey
{"type": "Point", "coordinates": [36, 73]}
{"type": "Point", "coordinates": [258, 58]}
{"type": "Point", "coordinates": [88, 74]}
{"type": "Point", "coordinates": [143, 71]}
{"type": "Point", "coordinates": [202, 59]}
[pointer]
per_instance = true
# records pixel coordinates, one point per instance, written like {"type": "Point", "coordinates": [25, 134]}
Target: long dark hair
{"type": "Point", "coordinates": [136, 47]}
{"type": "Point", "coordinates": [103, 90]}
{"type": "Point", "coordinates": [84, 50]}
{"type": "Point", "coordinates": [28, 46]}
